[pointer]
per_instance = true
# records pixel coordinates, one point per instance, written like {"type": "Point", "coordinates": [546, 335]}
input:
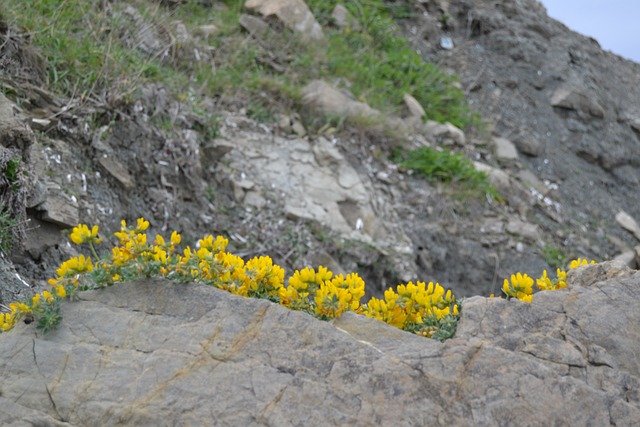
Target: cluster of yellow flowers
{"type": "Point", "coordinates": [521, 285]}
{"type": "Point", "coordinates": [424, 309]}
{"type": "Point", "coordinates": [415, 308]}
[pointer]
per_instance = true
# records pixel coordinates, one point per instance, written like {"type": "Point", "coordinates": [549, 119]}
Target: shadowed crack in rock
{"type": "Point", "coordinates": [44, 382]}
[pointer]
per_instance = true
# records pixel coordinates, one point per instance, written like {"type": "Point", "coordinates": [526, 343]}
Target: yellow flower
{"type": "Point", "coordinates": [142, 225]}
{"type": "Point", "coordinates": [386, 311]}
{"type": "Point", "coordinates": [520, 287]}
{"type": "Point", "coordinates": [332, 301]}
{"type": "Point", "coordinates": [35, 300]}
{"type": "Point", "coordinates": [579, 262]}
{"type": "Point", "coordinates": [544, 283]}
{"type": "Point", "coordinates": [81, 234]}
{"type": "Point", "coordinates": [48, 297]}
{"type": "Point", "coordinates": [61, 292]}
{"type": "Point", "coordinates": [159, 240]}
{"type": "Point", "coordinates": [7, 321]}
{"type": "Point", "coordinates": [175, 238]}
{"type": "Point", "coordinates": [562, 279]}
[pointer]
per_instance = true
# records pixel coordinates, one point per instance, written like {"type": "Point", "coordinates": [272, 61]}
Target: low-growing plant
{"type": "Point", "coordinates": [520, 286]}
{"type": "Point", "coordinates": [446, 166]}
{"type": "Point", "coordinates": [553, 255]}
{"type": "Point", "coordinates": [7, 226]}
{"type": "Point", "coordinates": [423, 309]}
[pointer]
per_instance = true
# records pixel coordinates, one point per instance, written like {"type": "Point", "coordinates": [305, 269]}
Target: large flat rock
{"type": "Point", "coordinates": [155, 353]}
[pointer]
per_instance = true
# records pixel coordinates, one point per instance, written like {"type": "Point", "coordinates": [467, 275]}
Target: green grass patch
{"type": "Point", "coordinates": [93, 54]}
{"type": "Point", "coordinates": [554, 256]}
{"type": "Point", "coordinates": [448, 167]}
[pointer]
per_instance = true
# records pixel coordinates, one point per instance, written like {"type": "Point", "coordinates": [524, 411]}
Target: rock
{"type": "Point", "coordinates": [116, 170]}
{"type": "Point", "coordinates": [572, 99]}
{"type": "Point", "coordinates": [213, 151]}
{"type": "Point", "coordinates": [209, 30]}
{"type": "Point", "coordinates": [529, 179]}
{"type": "Point", "coordinates": [13, 133]}
{"type": "Point", "coordinates": [524, 229]}
{"type": "Point", "coordinates": [255, 26]}
{"type": "Point", "coordinates": [343, 19]}
{"type": "Point", "coordinates": [414, 107]}
{"type": "Point", "coordinates": [528, 145]}
{"type": "Point", "coordinates": [329, 100]}
{"type": "Point", "coordinates": [58, 208]}
{"type": "Point", "coordinates": [568, 358]}
{"type": "Point", "coordinates": [627, 222]}
{"type": "Point", "coordinates": [294, 14]}
{"type": "Point", "coordinates": [444, 133]}
{"type": "Point", "coordinates": [628, 258]}
{"type": "Point", "coordinates": [517, 197]}
{"type": "Point", "coordinates": [504, 149]}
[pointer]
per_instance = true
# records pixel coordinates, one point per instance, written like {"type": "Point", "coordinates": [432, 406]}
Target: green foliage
{"type": "Point", "coordinates": [7, 226]}
{"type": "Point", "coordinates": [92, 53]}
{"type": "Point", "coordinates": [446, 166]}
{"type": "Point", "coordinates": [11, 172]}
{"type": "Point", "coordinates": [554, 256]}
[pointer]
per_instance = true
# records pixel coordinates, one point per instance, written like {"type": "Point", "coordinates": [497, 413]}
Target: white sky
{"type": "Point", "coordinates": [614, 23]}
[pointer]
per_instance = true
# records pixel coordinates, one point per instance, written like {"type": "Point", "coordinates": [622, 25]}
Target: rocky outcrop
{"type": "Point", "coordinates": [155, 353]}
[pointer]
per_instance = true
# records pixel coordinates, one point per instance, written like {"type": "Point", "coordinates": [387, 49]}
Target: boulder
{"type": "Point", "coordinates": [504, 149]}
{"type": "Point", "coordinates": [331, 101]}
{"type": "Point", "coordinates": [343, 19]}
{"type": "Point", "coordinates": [294, 14]}
{"type": "Point", "coordinates": [572, 99]}
{"type": "Point", "coordinates": [627, 222]}
{"type": "Point", "coordinates": [444, 133]}
{"type": "Point", "coordinates": [152, 352]}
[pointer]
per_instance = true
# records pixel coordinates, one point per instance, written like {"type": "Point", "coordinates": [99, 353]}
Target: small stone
{"type": "Point", "coordinates": [414, 107]}
{"type": "Point", "coordinates": [115, 169]}
{"type": "Point", "coordinates": [504, 149]}
{"type": "Point", "coordinates": [629, 258]}
{"type": "Point", "coordinates": [255, 26]}
{"type": "Point", "coordinates": [529, 145]}
{"type": "Point", "coordinates": [294, 14]}
{"type": "Point", "coordinates": [298, 128]}
{"type": "Point", "coordinates": [627, 222]}
{"type": "Point", "coordinates": [343, 18]}
{"type": "Point", "coordinates": [207, 31]}
{"type": "Point", "coordinates": [525, 229]}
{"type": "Point", "coordinates": [446, 43]}
{"type": "Point", "coordinates": [572, 99]}
{"type": "Point", "coordinates": [59, 209]}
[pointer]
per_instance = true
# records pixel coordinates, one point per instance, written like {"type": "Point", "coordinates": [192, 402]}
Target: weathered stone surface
{"type": "Point", "coordinates": [116, 170]}
{"type": "Point", "coordinates": [329, 100]}
{"type": "Point", "coordinates": [572, 99]}
{"type": "Point", "coordinates": [508, 188]}
{"type": "Point", "coordinates": [157, 353]}
{"type": "Point", "coordinates": [444, 133]}
{"type": "Point", "coordinates": [528, 145]}
{"type": "Point", "coordinates": [414, 107]}
{"type": "Point", "coordinates": [295, 14]}
{"type": "Point", "coordinates": [255, 26]}
{"type": "Point", "coordinates": [13, 133]}
{"type": "Point", "coordinates": [504, 149]}
{"type": "Point", "coordinates": [524, 229]}
{"type": "Point", "coordinates": [59, 208]}
{"type": "Point", "coordinates": [343, 18]}
{"type": "Point", "coordinates": [627, 222]}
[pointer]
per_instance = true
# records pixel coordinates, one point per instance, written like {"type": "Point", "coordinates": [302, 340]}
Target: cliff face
{"type": "Point", "coordinates": [159, 353]}
{"type": "Point", "coordinates": [571, 109]}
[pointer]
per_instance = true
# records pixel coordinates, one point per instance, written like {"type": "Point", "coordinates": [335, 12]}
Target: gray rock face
{"type": "Point", "coordinates": [153, 353]}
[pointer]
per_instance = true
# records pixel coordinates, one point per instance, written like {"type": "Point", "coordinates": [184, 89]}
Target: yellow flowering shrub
{"type": "Point", "coordinates": [424, 309]}
{"type": "Point", "coordinates": [421, 308]}
{"type": "Point", "coordinates": [520, 285]}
